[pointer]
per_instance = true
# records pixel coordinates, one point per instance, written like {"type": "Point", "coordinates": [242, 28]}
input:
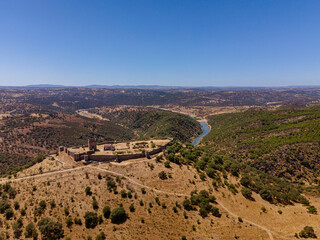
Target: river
{"type": "Point", "coordinates": [205, 131]}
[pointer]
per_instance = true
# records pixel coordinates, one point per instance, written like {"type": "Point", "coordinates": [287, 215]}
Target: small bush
{"type": "Point", "coordinates": [131, 208]}
{"type": "Point", "coordinates": [88, 191]}
{"type": "Point", "coordinates": [69, 222]}
{"type": "Point", "coordinates": [163, 175]}
{"type": "Point", "coordinates": [106, 212]}
{"type": "Point", "coordinates": [312, 210]}
{"type": "Point", "coordinates": [167, 164]}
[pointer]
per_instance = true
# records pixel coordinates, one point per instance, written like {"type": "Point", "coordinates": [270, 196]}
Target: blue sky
{"type": "Point", "coordinates": [174, 42]}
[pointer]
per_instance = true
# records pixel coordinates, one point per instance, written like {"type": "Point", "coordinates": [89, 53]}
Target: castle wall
{"type": "Point", "coordinates": [90, 156]}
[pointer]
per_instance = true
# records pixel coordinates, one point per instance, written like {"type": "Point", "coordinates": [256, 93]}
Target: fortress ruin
{"type": "Point", "coordinates": [115, 151]}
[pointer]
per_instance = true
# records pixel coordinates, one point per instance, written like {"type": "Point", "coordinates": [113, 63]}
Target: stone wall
{"type": "Point", "coordinates": [89, 156]}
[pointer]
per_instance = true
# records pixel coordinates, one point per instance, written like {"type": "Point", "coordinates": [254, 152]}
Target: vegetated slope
{"type": "Point", "coordinates": [284, 143]}
{"type": "Point", "coordinates": [180, 204]}
{"type": "Point", "coordinates": [182, 192]}
{"type": "Point", "coordinates": [26, 136]}
{"type": "Point", "coordinates": [147, 122]}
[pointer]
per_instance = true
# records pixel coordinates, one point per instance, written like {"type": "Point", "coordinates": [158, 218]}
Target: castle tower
{"type": "Point", "coordinates": [92, 144]}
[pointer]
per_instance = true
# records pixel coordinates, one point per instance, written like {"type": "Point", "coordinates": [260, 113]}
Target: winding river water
{"type": "Point", "coordinates": [205, 131]}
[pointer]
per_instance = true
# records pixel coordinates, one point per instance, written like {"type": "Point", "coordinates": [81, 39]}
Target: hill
{"type": "Point", "coordinates": [184, 193]}
{"type": "Point", "coordinates": [149, 122]}
{"type": "Point", "coordinates": [283, 143]}
{"type": "Point", "coordinates": [24, 137]}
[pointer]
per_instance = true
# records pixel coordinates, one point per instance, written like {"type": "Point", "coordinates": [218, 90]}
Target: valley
{"type": "Point", "coordinates": [253, 171]}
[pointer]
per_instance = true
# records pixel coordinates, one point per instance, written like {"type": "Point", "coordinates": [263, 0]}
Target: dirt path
{"type": "Point", "coordinates": [269, 232]}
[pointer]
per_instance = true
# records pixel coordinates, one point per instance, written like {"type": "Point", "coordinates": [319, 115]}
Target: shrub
{"type": "Point", "coordinates": [247, 193]}
{"type": "Point", "coordinates": [66, 211]}
{"type": "Point", "coordinates": [312, 210]}
{"type": "Point", "coordinates": [106, 211]}
{"type": "Point", "coordinates": [118, 215]}
{"type": "Point", "coordinates": [78, 221]}
{"type": "Point", "coordinates": [42, 204]}
{"type": "Point", "coordinates": [175, 210]}
{"type": "Point", "coordinates": [129, 194]}
{"type": "Point", "coordinates": [69, 222]}
{"type": "Point", "coordinates": [111, 185]}
{"type": "Point", "coordinates": [88, 191]}
{"type": "Point", "coordinates": [16, 205]}
{"type": "Point", "coordinates": [100, 219]}
{"type": "Point", "coordinates": [307, 232]}
{"type": "Point", "coordinates": [91, 219]}
{"type": "Point", "coordinates": [123, 193]}
{"type": "Point", "coordinates": [101, 236]}
{"type": "Point", "coordinates": [17, 231]}
{"type": "Point", "coordinates": [31, 231]}
{"type": "Point", "coordinates": [203, 212]}
{"type": "Point", "coordinates": [95, 205]}
{"type": "Point", "coordinates": [245, 181]}
{"type": "Point", "coordinates": [187, 204]}
{"type": "Point", "coordinates": [215, 212]}
{"type": "Point", "coordinates": [167, 164]}
{"type": "Point", "coordinates": [131, 208]}
{"type": "Point", "coordinates": [143, 190]}
{"type": "Point", "coordinates": [8, 213]}
{"type": "Point", "coordinates": [52, 204]}
{"type": "Point", "coordinates": [159, 158]}
{"type": "Point", "coordinates": [157, 200]}
{"type": "Point", "coordinates": [50, 229]}
{"type": "Point", "coordinates": [4, 205]}
{"type": "Point", "coordinates": [211, 172]}
{"type": "Point", "coordinates": [266, 195]}
{"type": "Point", "coordinates": [23, 212]}
{"type": "Point", "coordinates": [162, 175]}
{"type": "Point", "coordinates": [202, 176]}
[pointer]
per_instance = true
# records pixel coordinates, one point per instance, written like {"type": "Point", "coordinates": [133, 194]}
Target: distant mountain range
{"type": "Point", "coordinates": [39, 86]}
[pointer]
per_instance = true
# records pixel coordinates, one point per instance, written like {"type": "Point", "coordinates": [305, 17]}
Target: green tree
{"type": "Point", "coordinates": [50, 229]}
{"type": "Point", "coordinates": [247, 193]}
{"type": "Point", "coordinates": [31, 231]}
{"type": "Point", "coordinates": [17, 231]}
{"type": "Point", "coordinates": [118, 215]}
{"type": "Point", "coordinates": [91, 219]}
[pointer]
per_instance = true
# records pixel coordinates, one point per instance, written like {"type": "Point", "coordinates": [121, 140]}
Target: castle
{"type": "Point", "coordinates": [113, 151]}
